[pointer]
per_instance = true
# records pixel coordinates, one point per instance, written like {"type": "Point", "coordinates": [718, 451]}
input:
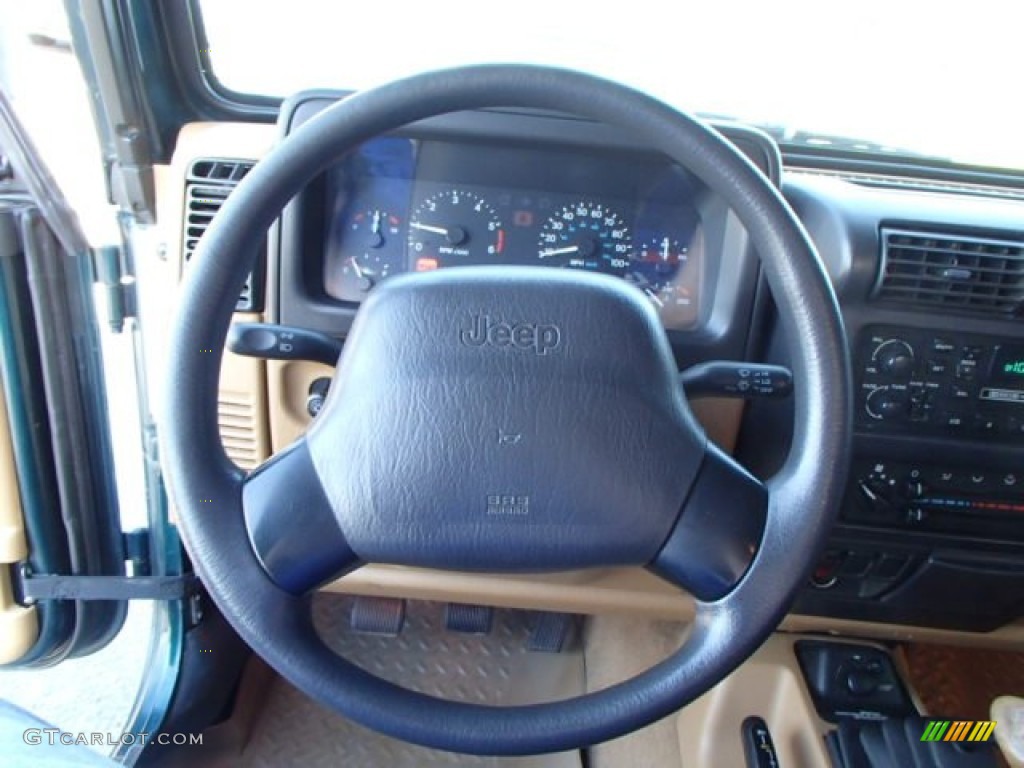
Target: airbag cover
{"type": "Point", "coordinates": [506, 419]}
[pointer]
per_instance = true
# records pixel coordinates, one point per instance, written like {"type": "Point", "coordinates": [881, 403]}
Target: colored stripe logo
{"type": "Point", "coordinates": [958, 730]}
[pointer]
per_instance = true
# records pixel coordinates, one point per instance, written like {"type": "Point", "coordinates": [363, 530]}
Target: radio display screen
{"type": "Point", "coordinates": [1008, 366]}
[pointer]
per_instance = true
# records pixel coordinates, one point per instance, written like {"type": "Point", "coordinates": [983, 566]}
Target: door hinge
{"type": "Point", "coordinates": [107, 271]}
{"type": "Point", "coordinates": [32, 587]}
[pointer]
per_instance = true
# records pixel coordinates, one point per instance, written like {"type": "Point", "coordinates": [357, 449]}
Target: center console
{"type": "Point", "coordinates": [931, 528]}
{"type": "Point", "coordinates": [922, 383]}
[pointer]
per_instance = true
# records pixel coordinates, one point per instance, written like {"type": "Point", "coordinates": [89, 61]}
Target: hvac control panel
{"type": "Point", "coordinates": [951, 497]}
{"type": "Point", "coordinates": [951, 384]}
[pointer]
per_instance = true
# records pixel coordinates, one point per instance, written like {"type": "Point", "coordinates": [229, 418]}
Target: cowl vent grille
{"type": "Point", "coordinates": [953, 271]}
{"type": "Point", "coordinates": [207, 186]}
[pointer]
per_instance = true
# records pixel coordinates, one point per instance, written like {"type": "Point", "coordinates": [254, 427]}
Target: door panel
{"type": "Point", "coordinates": [19, 625]}
{"type": "Point", "coordinates": [53, 393]}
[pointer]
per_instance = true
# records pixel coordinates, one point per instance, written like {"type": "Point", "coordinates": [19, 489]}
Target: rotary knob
{"type": "Point", "coordinates": [885, 403]}
{"type": "Point", "coordinates": [895, 357]}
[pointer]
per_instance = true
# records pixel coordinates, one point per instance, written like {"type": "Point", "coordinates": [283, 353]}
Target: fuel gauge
{"type": "Point", "coordinates": [372, 250]}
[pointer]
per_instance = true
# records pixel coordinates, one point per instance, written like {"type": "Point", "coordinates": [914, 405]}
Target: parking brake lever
{"type": "Point", "coordinates": [723, 378]}
{"type": "Point", "coordinates": [283, 342]}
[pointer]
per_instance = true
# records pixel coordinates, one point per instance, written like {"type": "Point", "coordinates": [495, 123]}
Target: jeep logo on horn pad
{"type": "Point", "coordinates": [486, 330]}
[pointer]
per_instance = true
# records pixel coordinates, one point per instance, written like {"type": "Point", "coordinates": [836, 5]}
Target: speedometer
{"type": "Point", "coordinates": [586, 235]}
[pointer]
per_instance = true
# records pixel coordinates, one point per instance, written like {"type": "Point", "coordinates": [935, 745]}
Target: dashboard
{"type": "Point", "coordinates": [407, 205]}
{"type": "Point", "coordinates": [518, 187]}
{"type": "Point", "coordinates": [929, 276]}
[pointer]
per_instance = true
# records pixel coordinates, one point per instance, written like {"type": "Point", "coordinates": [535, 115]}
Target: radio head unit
{"type": "Point", "coordinates": [940, 383]}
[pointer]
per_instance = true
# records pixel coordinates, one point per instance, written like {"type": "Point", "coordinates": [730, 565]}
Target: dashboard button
{"type": "Point", "coordinates": [889, 567]}
{"type": "Point", "coordinates": [967, 369]}
{"type": "Point", "coordinates": [953, 420]}
{"type": "Point", "coordinates": [856, 565]}
{"type": "Point", "coordinates": [942, 345]}
{"type": "Point", "coordinates": [987, 425]}
{"type": "Point", "coordinates": [977, 481]}
{"type": "Point", "coordinates": [959, 392]}
{"type": "Point", "coordinates": [944, 479]}
{"type": "Point", "coordinates": [1012, 426]}
{"type": "Point", "coordinates": [916, 515]}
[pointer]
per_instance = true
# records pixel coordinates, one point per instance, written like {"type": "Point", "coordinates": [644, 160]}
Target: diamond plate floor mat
{"type": "Point", "coordinates": [490, 669]}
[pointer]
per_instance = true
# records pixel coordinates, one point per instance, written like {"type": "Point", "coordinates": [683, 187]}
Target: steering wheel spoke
{"type": "Point", "coordinates": [292, 529]}
{"type": "Point", "coordinates": [719, 530]}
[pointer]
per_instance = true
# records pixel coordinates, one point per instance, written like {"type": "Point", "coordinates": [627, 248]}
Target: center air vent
{"type": "Point", "coordinates": [952, 271]}
{"type": "Point", "coordinates": [207, 186]}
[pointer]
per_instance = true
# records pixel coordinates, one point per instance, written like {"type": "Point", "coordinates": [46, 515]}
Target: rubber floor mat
{"type": "Point", "coordinates": [962, 682]}
{"type": "Point", "coordinates": [489, 669]}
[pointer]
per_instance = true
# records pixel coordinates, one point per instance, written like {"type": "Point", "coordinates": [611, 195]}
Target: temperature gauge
{"type": "Point", "coordinates": [371, 251]}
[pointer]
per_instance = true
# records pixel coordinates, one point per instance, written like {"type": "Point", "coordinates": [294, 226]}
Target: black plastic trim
{"type": "Point", "coordinates": [292, 529]}
{"type": "Point", "coordinates": [719, 531]}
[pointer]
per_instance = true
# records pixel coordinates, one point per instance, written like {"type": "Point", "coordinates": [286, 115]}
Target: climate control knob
{"type": "Point", "coordinates": [885, 403]}
{"type": "Point", "coordinates": [894, 357]}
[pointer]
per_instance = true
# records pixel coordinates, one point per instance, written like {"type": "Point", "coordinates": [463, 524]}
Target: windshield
{"type": "Point", "coordinates": [885, 75]}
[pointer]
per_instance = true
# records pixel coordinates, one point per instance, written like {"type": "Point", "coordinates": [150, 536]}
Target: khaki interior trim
{"type": "Point", "coordinates": [630, 591]}
{"type": "Point", "coordinates": [237, 141]}
{"type": "Point", "coordinates": [288, 384]}
{"type": "Point", "coordinates": [242, 402]}
{"type": "Point", "coordinates": [19, 624]}
{"type": "Point", "coordinates": [768, 685]}
{"type": "Point", "coordinates": [242, 406]}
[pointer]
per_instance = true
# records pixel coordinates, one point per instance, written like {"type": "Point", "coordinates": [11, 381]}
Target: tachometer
{"type": "Point", "coordinates": [586, 235]}
{"type": "Point", "coordinates": [454, 227]}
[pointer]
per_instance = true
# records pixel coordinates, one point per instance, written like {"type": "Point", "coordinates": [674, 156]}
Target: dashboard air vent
{"type": "Point", "coordinates": [207, 186]}
{"type": "Point", "coordinates": [952, 271]}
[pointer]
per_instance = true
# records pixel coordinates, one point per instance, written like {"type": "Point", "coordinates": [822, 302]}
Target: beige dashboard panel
{"type": "Point", "coordinates": [242, 403]}
{"type": "Point", "coordinates": [237, 141]}
{"type": "Point", "coordinates": [769, 685]}
{"type": "Point", "coordinates": [631, 591]}
{"type": "Point", "coordinates": [19, 625]}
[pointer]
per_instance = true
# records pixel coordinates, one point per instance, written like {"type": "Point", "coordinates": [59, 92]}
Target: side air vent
{"type": "Point", "coordinates": [952, 271]}
{"type": "Point", "coordinates": [207, 186]}
{"type": "Point", "coordinates": [236, 417]}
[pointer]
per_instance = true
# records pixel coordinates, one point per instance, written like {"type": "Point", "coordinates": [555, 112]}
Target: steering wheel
{"type": "Point", "coordinates": [409, 462]}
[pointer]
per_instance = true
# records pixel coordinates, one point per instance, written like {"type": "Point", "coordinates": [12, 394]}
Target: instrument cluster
{"type": "Point", "coordinates": [405, 206]}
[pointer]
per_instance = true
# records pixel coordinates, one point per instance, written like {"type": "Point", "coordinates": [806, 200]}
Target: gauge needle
{"type": "Point", "coordinates": [376, 236]}
{"type": "Point", "coordinates": [361, 272]}
{"type": "Point", "coordinates": [664, 249]}
{"type": "Point", "coordinates": [558, 251]}
{"type": "Point", "coordinates": [428, 228]}
{"type": "Point", "coordinates": [654, 297]}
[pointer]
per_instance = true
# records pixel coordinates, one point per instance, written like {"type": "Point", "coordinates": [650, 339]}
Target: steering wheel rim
{"type": "Point", "coordinates": [207, 488]}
